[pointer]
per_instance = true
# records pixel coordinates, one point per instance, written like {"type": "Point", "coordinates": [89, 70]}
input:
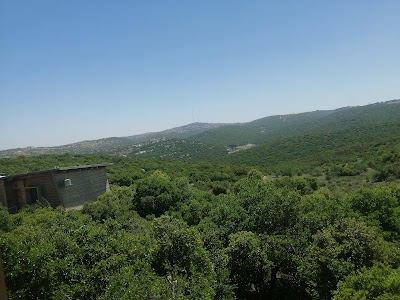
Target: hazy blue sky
{"type": "Point", "coordinates": [74, 70]}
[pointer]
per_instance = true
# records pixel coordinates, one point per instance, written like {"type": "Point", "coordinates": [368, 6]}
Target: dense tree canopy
{"type": "Point", "coordinates": [169, 230]}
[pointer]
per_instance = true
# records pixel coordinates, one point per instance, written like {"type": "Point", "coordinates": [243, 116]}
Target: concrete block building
{"type": "Point", "coordinates": [69, 187]}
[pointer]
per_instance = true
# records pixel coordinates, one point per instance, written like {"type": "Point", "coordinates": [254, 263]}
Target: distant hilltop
{"type": "Point", "coordinates": [233, 136]}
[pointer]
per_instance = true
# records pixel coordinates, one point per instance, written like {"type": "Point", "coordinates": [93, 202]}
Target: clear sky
{"type": "Point", "coordinates": [73, 70]}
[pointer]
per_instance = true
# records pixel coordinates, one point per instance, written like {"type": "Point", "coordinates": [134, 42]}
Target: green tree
{"type": "Point", "coordinates": [249, 266]}
{"type": "Point", "coordinates": [157, 193]}
{"type": "Point", "coordinates": [340, 249]}
{"type": "Point", "coordinates": [181, 258]}
{"type": "Point", "coordinates": [276, 213]}
{"type": "Point", "coordinates": [380, 204]}
{"type": "Point", "coordinates": [380, 282]}
{"type": "Point", "coordinates": [111, 204]}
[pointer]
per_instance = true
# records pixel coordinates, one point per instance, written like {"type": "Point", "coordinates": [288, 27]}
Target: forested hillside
{"type": "Point", "coordinates": [353, 140]}
{"type": "Point", "coordinates": [274, 128]}
{"type": "Point", "coordinates": [345, 136]}
{"type": "Point", "coordinates": [324, 130]}
{"type": "Point", "coordinates": [115, 145]}
{"type": "Point", "coordinates": [209, 230]}
{"type": "Point", "coordinates": [308, 209]}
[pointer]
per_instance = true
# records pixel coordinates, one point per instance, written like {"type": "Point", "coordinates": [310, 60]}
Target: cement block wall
{"type": "Point", "coordinates": [86, 186]}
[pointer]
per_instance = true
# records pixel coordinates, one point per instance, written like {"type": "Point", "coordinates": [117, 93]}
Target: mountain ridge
{"type": "Point", "coordinates": [110, 143]}
{"type": "Point", "coordinates": [256, 132]}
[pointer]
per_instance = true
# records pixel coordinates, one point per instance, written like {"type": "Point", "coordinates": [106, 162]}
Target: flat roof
{"type": "Point", "coordinates": [82, 167]}
{"type": "Point", "coordinates": [59, 169]}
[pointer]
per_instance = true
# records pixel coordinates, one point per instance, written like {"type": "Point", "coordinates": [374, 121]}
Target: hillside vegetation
{"type": "Point", "coordinates": [115, 145]}
{"type": "Point", "coordinates": [350, 141]}
{"type": "Point", "coordinates": [329, 129]}
{"type": "Point", "coordinates": [182, 230]}
{"type": "Point", "coordinates": [311, 210]}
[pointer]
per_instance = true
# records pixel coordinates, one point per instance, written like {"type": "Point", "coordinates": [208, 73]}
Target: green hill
{"type": "Point", "coordinates": [306, 208]}
{"type": "Point", "coordinates": [345, 138]}
{"type": "Point", "coordinates": [346, 141]}
{"type": "Point", "coordinates": [325, 140]}
{"type": "Point", "coordinates": [338, 135]}
{"type": "Point", "coordinates": [275, 128]}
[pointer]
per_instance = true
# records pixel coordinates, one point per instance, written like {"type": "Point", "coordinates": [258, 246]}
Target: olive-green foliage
{"type": "Point", "coordinates": [112, 204]}
{"type": "Point", "coordinates": [156, 193]}
{"type": "Point", "coordinates": [174, 230]}
{"type": "Point", "coordinates": [183, 150]}
{"type": "Point", "coordinates": [380, 282]}
{"type": "Point", "coordinates": [180, 256]}
{"type": "Point", "coordinates": [179, 267]}
{"type": "Point", "coordinates": [24, 164]}
{"type": "Point", "coordinates": [340, 249]}
{"type": "Point", "coordinates": [248, 264]}
{"type": "Point", "coordinates": [6, 220]}
{"type": "Point", "coordinates": [320, 210]}
{"type": "Point", "coordinates": [52, 254]}
{"type": "Point", "coordinates": [381, 205]}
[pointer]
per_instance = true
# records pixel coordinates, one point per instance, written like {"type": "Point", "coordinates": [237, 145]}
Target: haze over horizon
{"type": "Point", "coordinates": [179, 126]}
{"type": "Point", "coordinates": [73, 71]}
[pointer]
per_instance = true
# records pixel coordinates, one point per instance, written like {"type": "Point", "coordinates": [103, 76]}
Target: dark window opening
{"type": "Point", "coordinates": [32, 195]}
